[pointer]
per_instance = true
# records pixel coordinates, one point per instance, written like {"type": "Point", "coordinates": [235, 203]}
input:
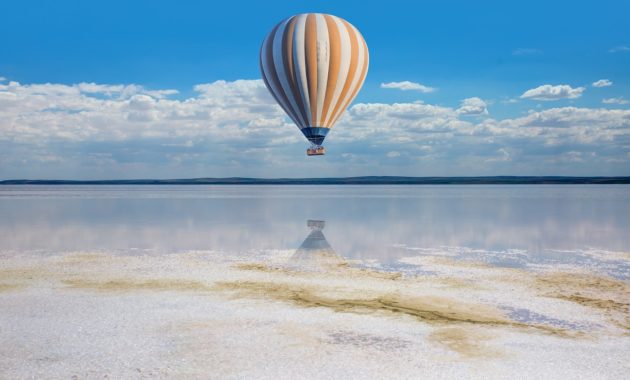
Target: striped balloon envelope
{"type": "Point", "coordinates": [314, 65]}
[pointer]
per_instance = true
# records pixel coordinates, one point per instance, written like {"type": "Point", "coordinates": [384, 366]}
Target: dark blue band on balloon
{"type": "Point", "coordinates": [316, 135]}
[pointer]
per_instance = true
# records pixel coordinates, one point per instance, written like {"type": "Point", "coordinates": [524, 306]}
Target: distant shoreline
{"type": "Point", "coordinates": [372, 180]}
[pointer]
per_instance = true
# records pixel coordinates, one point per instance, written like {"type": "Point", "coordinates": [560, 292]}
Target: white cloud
{"type": "Point", "coordinates": [620, 48]}
{"type": "Point", "coordinates": [568, 126]}
{"type": "Point", "coordinates": [407, 86]}
{"type": "Point", "coordinates": [124, 91]}
{"type": "Point", "coordinates": [93, 88]}
{"type": "Point", "coordinates": [80, 112]}
{"type": "Point", "coordinates": [161, 93]}
{"type": "Point", "coordinates": [548, 92]}
{"type": "Point", "coordinates": [619, 100]}
{"type": "Point", "coordinates": [2, 79]}
{"type": "Point", "coordinates": [235, 128]}
{"type": "Point", "coordinates": [397, 122]}
{"type": "Point", "coordinates": [526, 51]}
{"type": "Point", "coordinates": [473, 106]}
{"type": "Point", "coordinates": [602, 83]}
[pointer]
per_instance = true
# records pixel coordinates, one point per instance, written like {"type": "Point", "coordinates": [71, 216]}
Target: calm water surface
{"type": "Point", "coordinates": [514, 226]}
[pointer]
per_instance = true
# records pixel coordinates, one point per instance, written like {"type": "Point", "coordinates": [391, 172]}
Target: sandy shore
{"type": "Point", "coordinates": [267, 315]}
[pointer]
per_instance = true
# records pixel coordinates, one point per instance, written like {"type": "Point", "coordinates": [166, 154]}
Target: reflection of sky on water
{"type": "Point", "coordinates": [616, 264]}
{"type": "Point", "coordinates": [528, 316]}
{"type": "Point", "coordinates": [502, 225]}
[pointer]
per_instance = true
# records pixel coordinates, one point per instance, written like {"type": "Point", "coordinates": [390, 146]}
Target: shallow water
{"type": "Point", "coordinates": [510, 226]}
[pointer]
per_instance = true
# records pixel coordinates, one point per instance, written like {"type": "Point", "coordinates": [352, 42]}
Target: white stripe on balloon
{"type": "Point", "coordinates": [299, 62]}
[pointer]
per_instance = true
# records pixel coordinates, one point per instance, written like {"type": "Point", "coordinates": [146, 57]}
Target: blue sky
{"type": "Point", "coordinates": [513, 90]}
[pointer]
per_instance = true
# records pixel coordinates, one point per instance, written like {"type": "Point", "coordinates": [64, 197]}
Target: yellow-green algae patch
{"type": "Point", "coordinates": [464, 341]}
{"type": "Point", "coordinates": [10, 287]}
{"type": "Point", "coordinates": [430, 309]}
{"type": "Point", "coordinates": [258, 267]}
{"type": "Point", "coordinates": [22, 277]}
{"type": "Point", "coordinates": [610, 296]}
{"type": "Point", "coordinates": [86, 257]}
{"type": "Point", "coordinates": [332, 269]}
{"type": "Point", "coordinates": [607, 295]}
{"type": "Point", "coordinates": [22, 274]}
{"type": "Point", "coordinates": [449, 261]}
{"type": "Point", "coordinates": [134, 285]}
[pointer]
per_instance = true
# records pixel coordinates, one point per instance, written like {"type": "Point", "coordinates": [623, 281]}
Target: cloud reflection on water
{"type": "Point", "coordinates": [503, 225]}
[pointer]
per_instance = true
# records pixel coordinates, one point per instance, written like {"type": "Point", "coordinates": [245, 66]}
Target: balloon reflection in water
{"type": "Point", "coordinates": [315, 253]}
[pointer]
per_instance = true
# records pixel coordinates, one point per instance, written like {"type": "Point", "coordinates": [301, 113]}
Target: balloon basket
{"type": "Point", "coordinates": [315, 224]}
{"type": "Point", "coordinates": [316, 151]}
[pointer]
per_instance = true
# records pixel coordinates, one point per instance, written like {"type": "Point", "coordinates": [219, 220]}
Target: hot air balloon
{"type": "Point", "coordinates": [314, 65]}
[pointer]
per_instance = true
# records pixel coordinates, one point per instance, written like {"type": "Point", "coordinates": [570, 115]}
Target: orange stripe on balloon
{"type": "Point", "coordinates": [310, 47]}
{"type": "Point", "coordinates": [334, 64]}
{"type": "Point", "coordinates": [354, 58]}
{"type": "Point", "coordinates": [361, 78]}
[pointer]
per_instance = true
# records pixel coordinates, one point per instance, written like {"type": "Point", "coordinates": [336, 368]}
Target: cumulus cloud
{"type": "Point", "coordinates": [602, 83]}
{"type": "Point", "coordinates": [397, 122]}
{"type": "Point", "coordinates": [619, 100]}
{"type": "Point", "coordinates": [93, 88]}
{"type": "Point", "coordinates": [88, 111]}
{"type": "Point", "coordinates": [526, 51]}
{"type": "Point", "coordinates": [2, 79]}
{"type": "Point", "coordinates": [432, 136]}
{"type": "Point", "coordinates": [619, 49]}
{"type": "Point", "coordinates": [408, 86]}
{"type": "Point", "coordinates": [235, 128]}
{"type": "Point", "coordinates": [473, 106]}
{"type": "Point", "coordinates": [548, 92]}
{"type": "Point", "coordinates": [598, 122]}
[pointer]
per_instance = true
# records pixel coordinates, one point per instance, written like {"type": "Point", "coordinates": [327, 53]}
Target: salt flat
{"type": "Point", "coordinates": [201, 314]}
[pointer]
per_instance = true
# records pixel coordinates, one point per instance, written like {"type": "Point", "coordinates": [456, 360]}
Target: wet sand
{"type": "Point", "coordinates": [204, 314]}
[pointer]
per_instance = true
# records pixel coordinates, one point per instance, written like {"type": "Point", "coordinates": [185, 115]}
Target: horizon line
{"type": "Point", "coordinates": [356, 180]}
